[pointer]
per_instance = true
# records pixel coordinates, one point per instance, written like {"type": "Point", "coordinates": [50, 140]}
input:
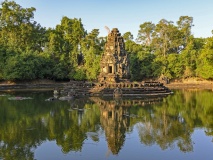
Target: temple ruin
{"type": "Point", "coordinates": [113, 80]}
{"type": "Point", "coordinates": [115, 62]}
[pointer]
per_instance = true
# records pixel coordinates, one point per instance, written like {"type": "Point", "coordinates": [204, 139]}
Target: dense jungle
{"type": "Point", "coordinates": [29, 51]}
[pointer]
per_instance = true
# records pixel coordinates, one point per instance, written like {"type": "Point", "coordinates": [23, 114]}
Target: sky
{"type": "Point", "coordinates": [126, 15]}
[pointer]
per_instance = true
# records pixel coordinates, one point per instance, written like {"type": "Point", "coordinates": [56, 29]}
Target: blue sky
{"type": "Point", "coordinates": [126, 15]}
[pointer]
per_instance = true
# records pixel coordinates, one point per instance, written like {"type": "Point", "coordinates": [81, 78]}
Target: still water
{"type": "Point", "coordinates": [179, 126]}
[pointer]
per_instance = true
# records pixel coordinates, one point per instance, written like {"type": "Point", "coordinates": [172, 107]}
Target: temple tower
{"type": "Point", "coordinates": [115, 62]}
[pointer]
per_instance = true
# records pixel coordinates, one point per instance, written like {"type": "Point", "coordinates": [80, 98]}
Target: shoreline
{"type": "Point", "coordinates": [191, 83]}
{"type": "Point", "coordinates": [50, 85]}
{"type": "Point", "coordinates": [189, 86]}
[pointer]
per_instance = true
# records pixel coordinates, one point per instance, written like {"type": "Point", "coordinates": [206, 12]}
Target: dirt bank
{"type": "Point", "coordinates": [191, 84]}
{"type": "Point", "coordinates": [31, 85]}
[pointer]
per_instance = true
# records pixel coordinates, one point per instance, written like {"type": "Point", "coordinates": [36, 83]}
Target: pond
{"type": "Point", "coordinates": [179, 126]}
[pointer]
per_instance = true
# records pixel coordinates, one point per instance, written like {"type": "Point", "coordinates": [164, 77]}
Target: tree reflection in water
{"type": "Point", "coordinates": [167, 122]}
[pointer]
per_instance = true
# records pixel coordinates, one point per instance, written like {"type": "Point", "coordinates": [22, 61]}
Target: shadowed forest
{"type": "Point", "coordinates": [29, 51]}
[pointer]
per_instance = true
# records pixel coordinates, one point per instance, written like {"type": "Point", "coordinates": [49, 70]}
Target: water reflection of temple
{"type": "Point", "coordinates": [114, 120]}
{"type": "Point", "coordinates": [115, 125]}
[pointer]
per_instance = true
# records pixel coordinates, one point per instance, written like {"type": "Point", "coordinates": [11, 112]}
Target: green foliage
{"type": "Point", "coordinates": [166, 38]}
{"type": "Point", "coordinates": [134, 68]}
{"type": "Point", "coordinates": [17, 28]}
{"type": "Point", "coordinates": [128, 36]}
{"type": "Point", "coordinates": [145, 33]}
{"type": "Point", "coordinates": [188, 58]}
{"type": "Point", "coordinates": [141, 63]}
{"type": "Point", "coordinates": [60, 71]}
{"type": "Point", "coordinates": [185, 24]}
{"type": "Point", "coordinates": [78, 74]}
{"type": "Point", "coordinates": [159, 66]}
{"type": "Point", "coordinates": [205, 61]}
{"type": "Point", "coordinates": [132, 47]}
{"type": "Point", "coordinates": [26, 67]}
{"type": "Point", "coordinates": [19, 68]}
{"type": "Point", "coordinates": [91, 50]}
{"type": "Point", "coordinates": [174, 68]}
{"type": "Point", "coordinates": [30, 51]}
{"type": "Point", "coordinates": [64, 41]}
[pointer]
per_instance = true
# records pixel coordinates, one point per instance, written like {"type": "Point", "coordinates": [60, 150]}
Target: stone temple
{"type": "Point", "coordinates": [113, 79]}
{"type": "Point", "coordinates": [115, 62]}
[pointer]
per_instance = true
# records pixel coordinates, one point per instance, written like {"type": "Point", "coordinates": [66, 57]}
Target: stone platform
{"type": "Point", "coordinates": [128, 89]}
{"type": "Point", "coordinates": [81, 89]}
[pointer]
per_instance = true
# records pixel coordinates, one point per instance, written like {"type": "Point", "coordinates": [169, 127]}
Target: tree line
{"type": "Point", "coordinates": [29, 51]}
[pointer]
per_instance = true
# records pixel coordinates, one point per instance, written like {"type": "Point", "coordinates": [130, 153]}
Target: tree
{"type": "Point", "coordinates": [141, 60]}
{"type": "Point", "coordinates": [185, 23]}
{"type": "Point", "coordinates": [174, 67]}
{"type": "Point", "coordinates": [64, 46]}
{"type": "Point", "coordinates": [128, 36]}
{"type": "Point", "coordinates": [18, 30]}
{"type": "Point", "coordinates": [166, 38]}
{"type": "Point", "coordinates": [189, 56]}
{"type": "Point", "coordinates": [27, 66]}
{"type": "Point", "coordinates": [56, 44]}
{"type": "Point", "coordinates": [145, 33]}
{"type": "Point", "coordinates": [205, 59]}
{"type": "Point", "coordinates": [91, 50]}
